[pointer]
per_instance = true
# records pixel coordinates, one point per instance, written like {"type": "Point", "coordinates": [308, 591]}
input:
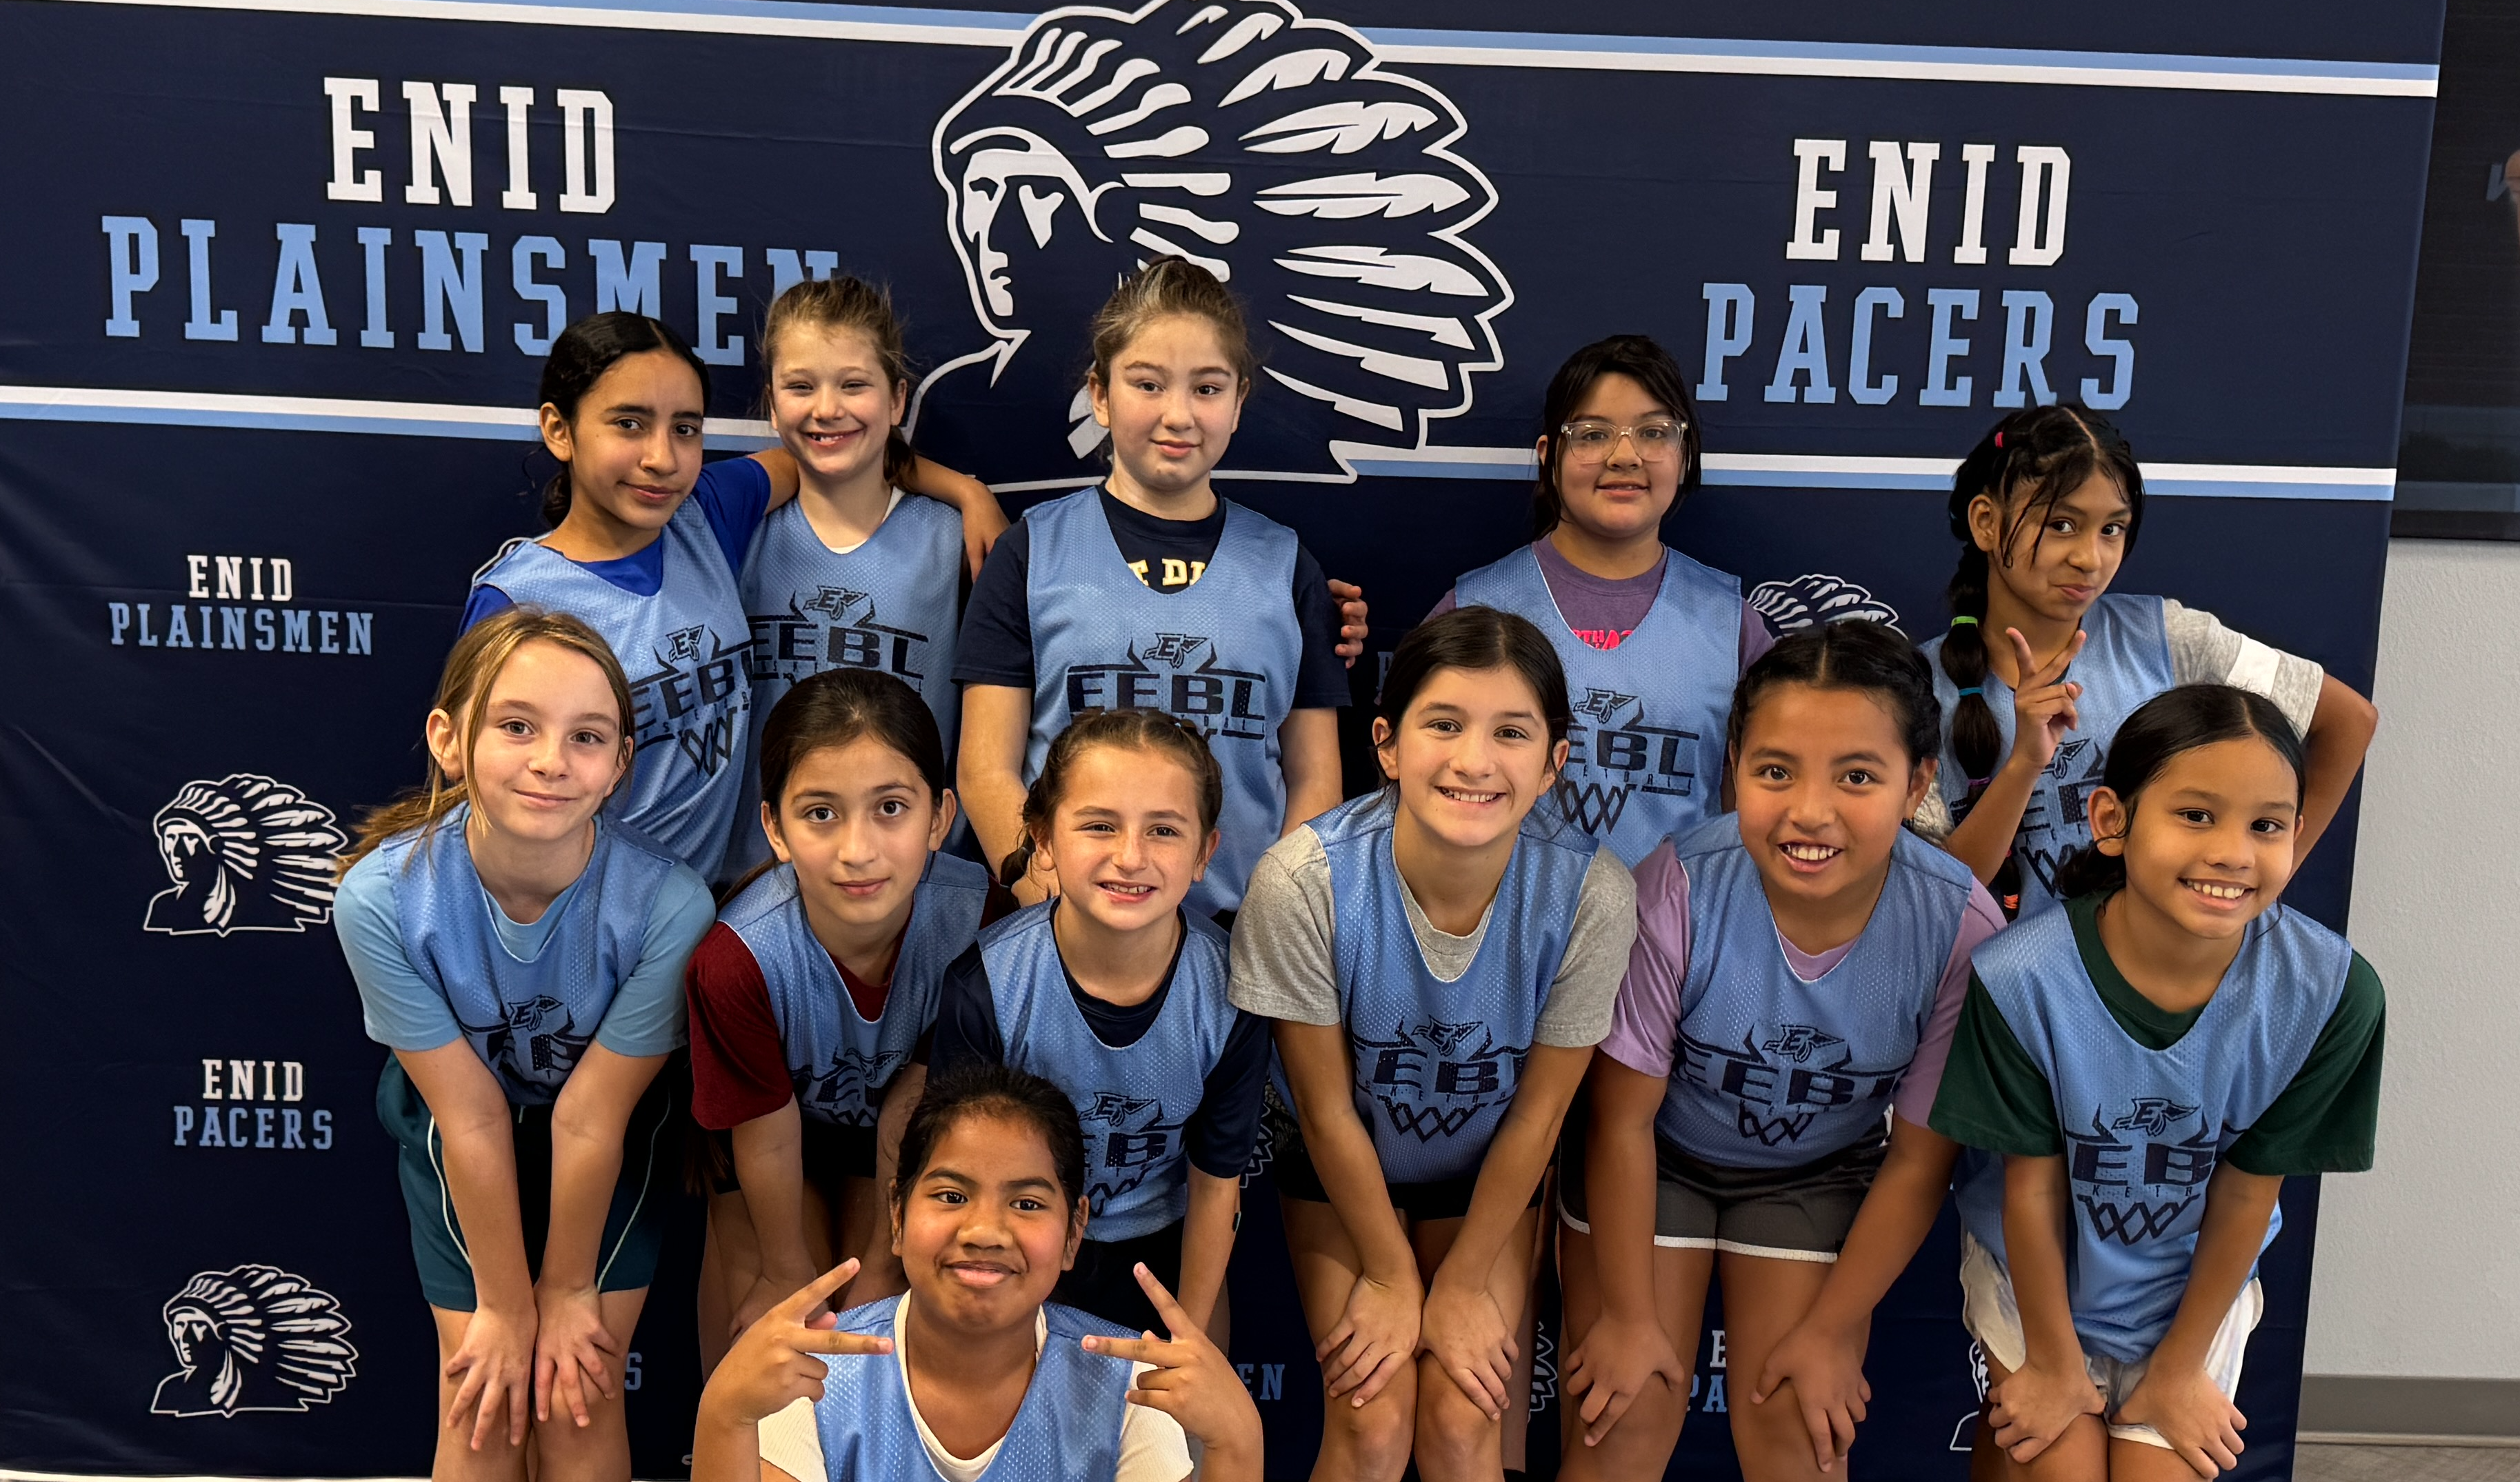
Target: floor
{"type": "Point", "coordinates": [2407, 1463]}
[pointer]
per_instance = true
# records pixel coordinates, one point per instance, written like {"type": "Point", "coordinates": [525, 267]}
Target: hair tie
{"type": "Point", "coordinates": [1998, 439]}
{"type": "Point", "coordinates": [1980, 782]}
{"type": "Point", "coordinates": [1972, 689]}
{"type": "Point", "coordinates": [1956, 622]}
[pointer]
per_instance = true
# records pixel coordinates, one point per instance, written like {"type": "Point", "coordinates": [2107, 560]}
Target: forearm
{"type": "Point", "coordinates": [1207, 1242]}
{"type": "Point", "coordinates": [1619, 1187]}
{"type": "Point", "coordinates": [1308, 752]}
{"type": "Point", "coordinates": [2034, 1240]}
{"type": "Point", "coordinates": [784, 478]}
{"type": "Point", "coordinates": [1510, 1170]}
{"type": "Point", "coordinates": [2237, 1207]}
{"type": "Point", "coordinates": [770, 1164]}
{"type": "Point", "coordinates": [1896, 1216]}
{"type": "Point", "coordinates": [587, 1126]}
{"type": "Point", "coordinates": [481, 1179]}
{"type": "Point", "coordinates": [1351, 1174]}
{"type": "Point", "coordinates": [2340, 734]}
{"type": "Point", "coordinates": [1983, 840]}
{"type": "Point", "coordinates": [946, 485]}
{"type": "Point", "coordinates": [723, 1449]}
{"type": "Point", "coordinates": [997, 721]}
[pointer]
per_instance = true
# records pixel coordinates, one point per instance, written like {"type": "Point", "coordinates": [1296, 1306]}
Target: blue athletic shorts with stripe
{"type": "Point", "coordinates": [634, 1228]}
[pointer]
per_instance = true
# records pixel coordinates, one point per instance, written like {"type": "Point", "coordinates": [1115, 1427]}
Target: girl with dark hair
{"type": "Point", "coordinates": [1153, 590]}
{"type": "Point", "coordinates": [1440, 957]}
{"type": "Point", "coordinates": [522, 955]}
{"type": "Point", "coordinates": [813, 997]}
{"type": "Point", "coordinates": [856, 572]}
{"type": "Point", "coordinates": [1798, 969]}
{"type": "Point", "coordinates": [646, 545]}
{"type": "Point", "coordinates": [1650, 640]}
{"type": "Point", "coordinates": [976, 1369]}
{"type": "Point", "coordinates": [2136, 1074]}
{"type": "Point", "coordinates": [2046, 509]}
{"type": "Point", "coordinates": [1117, 994]}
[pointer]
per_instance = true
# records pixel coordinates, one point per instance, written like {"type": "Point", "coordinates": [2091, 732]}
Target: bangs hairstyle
{"type": "Point", "coordinates": [845, 303]}
{"type": "Point", "coordinates": [578, 359]}
{"type": "Point", "coordinates": [1165, 286]}
{"type": "Point", "coordinates": [463, 693]}
{"type": "Point", "coordinates": [1476, 638]}
{"type": "Point", "coordinates": [1166, 736]}
{"type": "Point", "coordinates": [1854, 655]}
{"type": "Point", "coordinates": [988, 1089]}
{"type": "Point", "coordinates": [2032, 459]}
{"type": "Point", "coordinates": [1641, 360]}
{"type": "Point", "coordinates": [2162, 729]}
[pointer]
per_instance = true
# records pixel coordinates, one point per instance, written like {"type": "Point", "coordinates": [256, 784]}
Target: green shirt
{"type": "Point", "coordinates": [1993, 1096]}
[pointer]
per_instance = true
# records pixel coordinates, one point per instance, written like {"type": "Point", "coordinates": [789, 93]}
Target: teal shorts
{"type": "Point", "coordinates": [634, 1228]}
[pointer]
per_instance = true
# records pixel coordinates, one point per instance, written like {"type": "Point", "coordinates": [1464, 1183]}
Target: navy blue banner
{"type": "Point", "coordinates": [283, 273]}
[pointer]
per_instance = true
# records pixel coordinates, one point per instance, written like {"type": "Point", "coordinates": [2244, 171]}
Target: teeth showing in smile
{"type": "Point", "coordinates": [1464, 795]}
{"type": "Point", "coordinates": [1128, 891]}
{"type": "Point", "coordinates": [1812, 854]}
{"type": "Point", "coordinates": [2216, 890]}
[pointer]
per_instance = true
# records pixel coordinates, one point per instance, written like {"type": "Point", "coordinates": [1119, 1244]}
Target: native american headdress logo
{"type": "Point", "coordinates": [253, 1339]}
{"type": "Point", "coordinates": [244, 854]}
{"type": "Point", "coordinates": [1272, 148]}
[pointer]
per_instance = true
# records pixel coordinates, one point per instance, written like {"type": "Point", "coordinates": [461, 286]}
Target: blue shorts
{"type": "Point", "coordinates": [634, 1228]}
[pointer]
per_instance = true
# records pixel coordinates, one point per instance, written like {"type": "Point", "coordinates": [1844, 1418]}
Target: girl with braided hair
{"type": "Point", "coordinates": [2043, 662]}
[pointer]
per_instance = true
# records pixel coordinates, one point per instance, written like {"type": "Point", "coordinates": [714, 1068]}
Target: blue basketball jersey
{"type": "Point", "coordinates": [2144, 1128]}
{"type": "Point", "coordinates": [529, 1022]}
{"type": "Point", "coordinates": [683, 651]}
{"type": "Point", "coordinates": [1437, 1062]}
{"type": "Point", "coordinates": [1067, 1428]}
{"type": "Point", "coordinates": [2125, 662]}
{"type": "Point", "coordinates": [1648, 755]}
{"type": "Point", "coordinates": [840, 1062]}
{"type": "Point", "coordinates": [1222, 652]}
{"type": "Point", "coordinates": [1136, 1101]}
{"type": "Point", "coordinates": [887, 605]}
{"type": "Point", "coordinates": [1772, 1071]}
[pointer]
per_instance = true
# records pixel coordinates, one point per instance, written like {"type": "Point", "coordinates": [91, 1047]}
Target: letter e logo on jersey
{"type": "Point", "coordinates": [1272, 148]}
{"type": "Point", "coordinates": [253, 1339]}
{"type": "Point", "coordinates": [245, 854]}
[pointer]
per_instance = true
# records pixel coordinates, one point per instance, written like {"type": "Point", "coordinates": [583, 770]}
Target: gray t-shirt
{"type": "Point", "coordinates": [1284, 968]}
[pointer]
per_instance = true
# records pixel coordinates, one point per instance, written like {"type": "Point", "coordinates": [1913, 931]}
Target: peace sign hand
{"type": "Point", "coordinates": [2043, 704]}
{"type": "Point", "coordinates": [774, 1364]}
{"type": "Point", "coordinates": [1191, 1381]}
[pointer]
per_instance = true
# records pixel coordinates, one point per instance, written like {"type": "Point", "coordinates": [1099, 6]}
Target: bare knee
{"type": "Point", "coordinates": [1374, 1437]}
{"type": "Point", "coordinates": [1454, 1437]}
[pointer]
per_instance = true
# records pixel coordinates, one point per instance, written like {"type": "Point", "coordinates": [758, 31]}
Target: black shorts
{"type": "Point", "coordinates": [1291, 1167]}
{"type": "Point", "coordinates": [634, 1226]}
{"type": "Point", "coordinates": [1800, 1213]}
{"type": "Point", "coordinates": [1103, 1282]}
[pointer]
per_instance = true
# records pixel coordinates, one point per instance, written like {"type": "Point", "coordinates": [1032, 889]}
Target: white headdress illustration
{"type": "Point", "coordinates": [1818, 598]}
{"type": "Point", "coordinates": [1272, 148]}
{"type": "Point", "coordinates": [253, 1339]}
{"type": "Point", "coordinates": [247, 854]}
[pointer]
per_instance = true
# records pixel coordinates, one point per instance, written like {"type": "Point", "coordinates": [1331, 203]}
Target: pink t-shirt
{"type": "Point", "coordinates": [1602, 612]}
{"type": "Point", "coordinates": [1644, 1023]}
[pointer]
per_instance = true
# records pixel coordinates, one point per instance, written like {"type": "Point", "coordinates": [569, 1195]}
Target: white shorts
{"type": "Point", "coordinates": [1988, 1310]}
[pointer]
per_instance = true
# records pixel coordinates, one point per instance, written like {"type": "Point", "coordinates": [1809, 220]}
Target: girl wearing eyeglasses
{"type": "Point", "coordinates": [1651, 641]}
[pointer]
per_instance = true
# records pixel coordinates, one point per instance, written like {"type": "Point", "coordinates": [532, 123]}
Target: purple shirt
{"type": "Point", "coordinates": [1644, 1023]}
{"type": "Point", "coordinates": [1603, 611]}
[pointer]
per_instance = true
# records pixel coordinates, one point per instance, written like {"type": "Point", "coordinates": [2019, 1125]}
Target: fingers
{"type": "Point", "coordinates": [1334, 1340]}
{"type": "Point", "coordinates": [1599, 1431]}
{"type": "Point", "coordinates": [823, 1340]}
{"type": "Point", "coordinates": [1176, 1321]}
{"type": "Point", "coordinates": [518, 1403]}
{"type": "Point", "coordinates": [466, 1394]}
{"type": "Point", "coordinates": [1376, 1377]}
{"type": "Point", "coordinates": [814, 1292]}
{"type": "Point", "coordinates": [1841, 1427]}
{"type": "Point", "coordinates": [1824, 1436]}
{"type": "Point", "coordinates": [572, 1388]}
{"type": "Point", "coordinates": [546, 1374]}
{"type": "Point", "coordinates": [485, 1416]}
{"type": "Point", "coordinates": [2024, 663]}
{"type": "Point", "coordinates": [1132, 1350]}
{"type": "Point", "coordinates": [1479, 1387]}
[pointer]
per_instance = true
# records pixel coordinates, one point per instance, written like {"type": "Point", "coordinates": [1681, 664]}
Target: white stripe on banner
{"type": "Point", "coordinates": [1794, 470]}
{"type": "Point", "coordinates": [1534, 49]}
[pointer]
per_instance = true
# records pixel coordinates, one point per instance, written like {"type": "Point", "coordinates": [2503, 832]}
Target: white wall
{"type": "Point", "coordinates": [2418, 1264]}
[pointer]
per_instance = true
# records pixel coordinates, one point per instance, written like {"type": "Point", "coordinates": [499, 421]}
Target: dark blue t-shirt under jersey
{"type": "Point", "coordinates": [733, 493]}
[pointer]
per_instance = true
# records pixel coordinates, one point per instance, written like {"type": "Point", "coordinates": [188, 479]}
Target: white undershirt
{"type": "Point", "coordinates": [1152, 1447]}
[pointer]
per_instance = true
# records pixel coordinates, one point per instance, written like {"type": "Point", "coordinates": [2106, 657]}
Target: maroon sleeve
{"type": "Point", "coordinates": [738, 1068]}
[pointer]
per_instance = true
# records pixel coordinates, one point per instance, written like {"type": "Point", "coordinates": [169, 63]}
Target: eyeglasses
{"type": "Point", "coordinates": [1657, 439]}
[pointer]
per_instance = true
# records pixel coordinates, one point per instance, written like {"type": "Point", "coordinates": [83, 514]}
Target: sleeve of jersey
{"type": "Point", "coordinates": [1282, 964]}
{"type": "Point", "coordinates": [647, 1013]}
{"type": "Point", "coordinates": [739, 1065]}
{"type": "Point", "coordinates": [2204, 651]}
{"type": "Point", "coordinates": [995, 647]}
{"type": "Point", "coordinates": [1226, 1124]}
{"type": "Point", "coordinates": [1645, 1020]}
{"type": "Point", "coordinates": [1992, 1096]}
{"type": "Point", "coordinates": [1981, 918]}
{"type": "Point", "coordinates": [484, 602]}
{"type": "Point", "coordinates": [1447, 603]}
{"type": "Point", "coordinates": [793, 1442]}
{"type": "Point", "coordinates": [966, 1016]}
{"type": "Point", "coordinates": [1577, 1016]}
{"type": "Point", "coordinates": [1153, 1446]}
{"type": "Point", "coordinates": [1320, 682]}
{"type": "Point", "coordinates": [735, 494]}
{"type": "Point", "coordinates": [1757, 638]}
{"type": "Point", "coordinates": [399, 1007]}
{"type": "Point", "coordinates": [2328, 1118]}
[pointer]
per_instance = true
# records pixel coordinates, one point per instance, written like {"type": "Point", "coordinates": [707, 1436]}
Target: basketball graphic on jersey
{"type": "Point", "coordinates": [245, 854]}
{"type": "Point", "coordinates": [1817, 598]}
{"type": "Point", "coordinates": [1800, 1042]}
{"type": "Point", "coordinates": [253, 1339]}
{"type": "Point", "coordinates": [1780, 1082]}
{"type": "Point", "coordinates": [1432, 1079]}
{"type": "Point", "coordinates": [834, 628]}
{"type": "Point", "coordinates": [1181, 675]}
{"type": "Point", "coordinates": [1274, 150]}
{"type": "Point", "coordinates": [2133, 1179]}
{"type": "Point", "coordinates": [1125, 1137]}
{"type": "Point", "coordinates": [537, 1039]}
{"type": "Point", "coordinates": [2050, 833]}
{"type": "Point", "coordinates": [846, 1091]}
